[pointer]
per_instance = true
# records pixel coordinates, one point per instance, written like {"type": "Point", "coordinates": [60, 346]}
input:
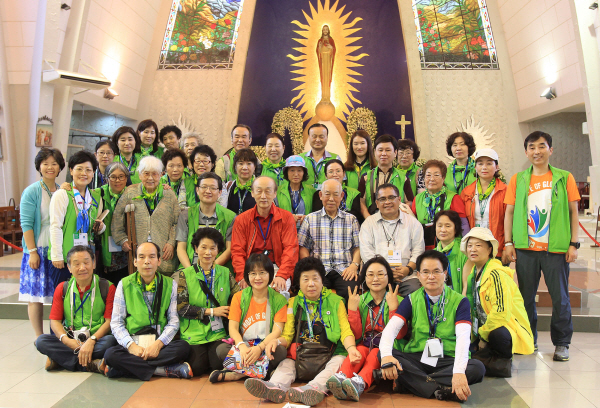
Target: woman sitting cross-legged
{"type": "Point", "coordinates": [368, 314]}
{"type": "Point", "coordinates": [257, 316]}
{"type": "Point", "coordinates": [202, 320]}
{"type": "Point", "coordinates": [318, 336]}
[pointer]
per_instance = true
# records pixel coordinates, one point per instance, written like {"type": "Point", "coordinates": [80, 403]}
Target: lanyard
{"type": "Point", "coordinates": [295, 203]}
{"type": "Point", "coordinates": [97, 174]}
{"type": "Point", "coordinates": [466, 173]}
{"type": "Point", "coordinates": [93, 296]}
{"type": "Point", "coordinates": [264, 236]}
{"type": "Point", "coordinates": [474, 287]}
{"type": "Point", "coordinates": [240, 210]}
{"type": "Point", "coordinates": [278, 171]}
{"type": "Point", "coordinates": [317, 167]}
{"type": "Point", "coordinates": [210, 284]}
{"type": "Point", "coordinates": [431, 210]}
{"type": "Point", "coordinates": [178, 188]}
{"type": "Point", "coordinates": [375, 323]}
{"type": "Point", "coordinates": [392, 238]}
{"type": "Point", "coordinates": [45, 187]}
{"type": "Point", "coordinates": [312, 323]}
{"type": "Point", "coordinates": [151, 210]}
{"type": "Point", "coordinates": [130, 165]}
{"type": "Point", "coordinates": [483, 204]}
{"type": "Point", "coordinates": [83, 221]}
{"type": "Point", "coordinates": [449, 266]}
{"type": "Point", "coordinates": [439, 314]}
{"type": "Point", "coordinates": [150, 305]}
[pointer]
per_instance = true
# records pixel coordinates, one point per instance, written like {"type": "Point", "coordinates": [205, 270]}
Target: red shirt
{"type": "Point", "coordinates": [356, 323]}
{"type": "Point", "coordinates": [259, 244]}
{"type": "Point", "coordinates": [58, 306]}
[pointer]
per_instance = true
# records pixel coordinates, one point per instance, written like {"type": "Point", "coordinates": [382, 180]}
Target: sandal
{"type": "Point", "coordinates": [218, 376]}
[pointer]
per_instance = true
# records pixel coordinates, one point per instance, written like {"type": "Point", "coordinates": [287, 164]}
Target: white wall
{"type": "Point", "coordinates": [18, 26]}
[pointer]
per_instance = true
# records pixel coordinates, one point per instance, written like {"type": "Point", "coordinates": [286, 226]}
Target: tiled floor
{"type": "Point", "coordinates": [537, 381]}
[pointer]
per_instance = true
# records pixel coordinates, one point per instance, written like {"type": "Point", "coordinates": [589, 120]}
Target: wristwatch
{"type": "Point", "coordinates": [94, 338]}
{"type": "Point", "coordinates": [575, 244]}
{"type": "Point", "coordinates": [357, 264]}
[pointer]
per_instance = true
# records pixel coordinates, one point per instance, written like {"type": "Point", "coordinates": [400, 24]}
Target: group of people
{"type": "Point", "coordinates": [338, 274]}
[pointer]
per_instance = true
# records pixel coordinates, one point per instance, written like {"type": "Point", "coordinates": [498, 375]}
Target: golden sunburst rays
{"type": "Point", "coordinates": [307, 63]}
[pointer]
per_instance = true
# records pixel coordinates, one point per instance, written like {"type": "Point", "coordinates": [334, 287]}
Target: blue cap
{"type": "Point", "coordinates": [295, 161]}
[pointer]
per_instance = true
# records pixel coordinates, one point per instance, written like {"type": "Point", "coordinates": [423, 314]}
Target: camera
{"type": "Point", "coordinates": [377, 376]}
{"type": "Point", "coordinates": [82, 334]}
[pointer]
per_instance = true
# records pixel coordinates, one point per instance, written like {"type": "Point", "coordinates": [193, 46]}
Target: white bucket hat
{"type": "Point", "coordinates": [483, 234]}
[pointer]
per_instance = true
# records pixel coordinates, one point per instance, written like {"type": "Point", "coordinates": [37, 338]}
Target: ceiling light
{"type": "Point", "coordinates": [65, 7]}
{"type": "Point", "coordinates": [594, 6]}
{"type": "Point", "coordinates": [110, 93]}
{"type": "Point", "coordinates": [548, 93]}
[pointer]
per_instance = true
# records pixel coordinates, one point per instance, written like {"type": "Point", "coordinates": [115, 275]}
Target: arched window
{"type": "Point", "coordinates": [201, 34]}
{"type": "Point", "coordinates": [454, 34]}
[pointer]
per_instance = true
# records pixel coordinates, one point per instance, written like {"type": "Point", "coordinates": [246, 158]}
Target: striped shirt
{"type": "Point", "coordinates": [330, 239]}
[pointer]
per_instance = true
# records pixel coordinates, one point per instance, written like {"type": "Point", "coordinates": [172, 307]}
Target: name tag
{"type": "Point", "coordinates": [80, 238]}
{"type": "Point", "coordinates": [112, 245]}
{"type": "Point", "coordinates": [433, 350]}
{"type": "Point", "coordinates": [394, 258]}
{"type": "Point", "coordinates": [144, 340]}
{"type": "Point", "coordinates": [216, 323]}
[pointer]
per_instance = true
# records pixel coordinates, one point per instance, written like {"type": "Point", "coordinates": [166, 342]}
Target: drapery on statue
{"type": "Point", "coordinates": [326, 56]}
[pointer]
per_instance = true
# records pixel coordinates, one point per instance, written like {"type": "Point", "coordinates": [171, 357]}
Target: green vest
{"type": "Point", "coordinates": [97, 313]}
{"type": "Point", "coordinates": [284, 200]}
{"type": "Point", "coordinates": [329, 309]}
{"type": "Point", "coordinates": [445, 329]}
{"type": "Point", "coordinates": [192, 330]}
{"type": "Point", "coordinates": [106, 205]}
{"type": "Point", "coordinates": [353, 178]}
{"type": "Point", "coordinates": [138, 315]}
{"type": "Point", "coordinates": [411, 173]}
{"type": "Point", "coordinates": [363, 309]}
{"type": "Point", "coordinates": [449, 181]}
{"type": "Point", "coordinates": [276, 302]}
{"type": "Point", "coordinates": [225, 218]}
{"type": "Point", "coordinates": [267, 171]}
{"type": "Point", "coordinates": [70, 222]}
{"type": "Point", "coordinates": [560, 220]}
{"type": "Point", "coordinates": [133, 174]}
{"type": "Point", "coordinates": [351, 194]}
{"type": "Point", "coordinates": [456, 260]}
{"type": "Point", "coordinates": [396, 179]}
{"type": "Point", "coordinates": [312, 168]}
{"type": "Point", "coordinates": [423, 214]}
{"type": "Point", "coordinates": [158, 153]}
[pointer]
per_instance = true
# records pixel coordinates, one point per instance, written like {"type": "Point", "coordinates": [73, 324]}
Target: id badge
{"type": "Point", "coordinates": [426, 359]}
{"type": "Point", "coordinates": [394, 257]}
{"type": "Point", "coordinates": [436, 348]}
{"type": "Point", "coordinates": [80, 238]}
{"type": "Point", "coordinates": [319, 187]}
{"type": "Point", "coordinates": [216, 323]}
{"type": "Point", "coordinates": [475, 325]}
{"type": "Point", "coordinates": [112, 245]}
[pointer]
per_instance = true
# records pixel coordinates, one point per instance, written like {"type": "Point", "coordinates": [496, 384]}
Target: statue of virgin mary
{"type": "Point", "coordinates": [326, 55]}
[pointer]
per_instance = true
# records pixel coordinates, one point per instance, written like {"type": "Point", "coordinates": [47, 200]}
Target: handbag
{"type": "Point", "coordinates": [233, 362]}
{"type": "Point", "coordinates": [311, 358]}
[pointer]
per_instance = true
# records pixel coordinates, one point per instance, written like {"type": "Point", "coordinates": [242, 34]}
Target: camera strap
{"type": "Point", "coordinates": [72, 297]}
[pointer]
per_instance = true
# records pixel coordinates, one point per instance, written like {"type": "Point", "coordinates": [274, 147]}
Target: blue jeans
{"type": "Point", "coordinates": [51, 346]}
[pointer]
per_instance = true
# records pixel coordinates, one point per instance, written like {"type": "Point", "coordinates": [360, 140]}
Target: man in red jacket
{"type": "Point", "coordinates": [268, 229]}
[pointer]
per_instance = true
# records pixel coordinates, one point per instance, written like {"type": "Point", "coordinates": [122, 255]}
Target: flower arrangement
{"type": "Point", "coordinates": [361, 118]}
{"type": "Point", "coordinates": [289, 119]}
{"type": "Point", "coordinates": [260, 152]}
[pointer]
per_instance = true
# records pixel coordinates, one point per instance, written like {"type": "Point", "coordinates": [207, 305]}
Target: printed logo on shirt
{"type": "Point", "coordinates": [539, 204]}
{"type": "Point", "coordinates": [250, 320]}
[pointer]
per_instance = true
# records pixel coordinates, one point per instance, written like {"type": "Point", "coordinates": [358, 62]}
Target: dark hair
{"type": "Point", "coordinates": [274, 136]}
{"type": "Point", "coordinates": [83, 156]}
{"type": "Point", "coordinates": [168, 129]}
{"type": "Point", "coordinates": [242, 126]}
{"type": "Point", "coordinates": [317, 125]}
{"type": "Point", "coordinates": [409, 144]}
{"type": "Point", "coordinates": [433, 254]}
{"type": "Point", "coordinates": [262, 261]}
{"type": "Point", "coordinates": [386, 139]}
{"type": "Point", "coordinates": [334, 161]}
{"type": "Point", "coordinates": [106, 142]}
{"type": "Point", "coordinates": [121, 131]}
{"type": "Point", "coordinates": [435, 163]}
{"type": "Point", "coordinates": [145, 124]}
{"type": "Point", "coordinates": [170, 154]}
{"type": "Point", "coordinates": [205, 150]}
{"type": "Point", "coordinates": [379, 260]}
{"type": "Point", "coordinates": [46, 152]}
{"type": "Point", "coordinates": [310, 263]}
{"type": "Point", "coordinates": [210, 175]}
{"type": "Point", "coordinates": [210, 233]}
{"type": "Point", "coordinates": [80, 248]}
{"type": "Point", "coordinates": [454, 218]}
{"type": "Point", "coordinates": [535, 136]}
{"type": "Point", "coordinates": [245, 155]}
{"type": "Point", "coordinates": [137, 249]}
{"type": "Point", "coordinates": [387, 185]}
{"type": "Point", "coordinates": [351, 159]}
{"type": "Point", "coordinates": [469, 141]}
{"type": "Point", "coordinates": [304, 177]}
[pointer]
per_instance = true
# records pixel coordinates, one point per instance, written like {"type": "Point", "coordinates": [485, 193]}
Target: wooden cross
{"type": "Point", "coordinates": [403, 122]}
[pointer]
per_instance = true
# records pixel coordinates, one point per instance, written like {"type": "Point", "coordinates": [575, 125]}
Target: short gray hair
{"type": "Point", "coordinates": [191, 135]}
{"type": "Point", "coordinates": [110, 169]}
{"type": "Point", "coordinates": [79, 248]}
{"type": "Point", "coordinates": [150, 163]}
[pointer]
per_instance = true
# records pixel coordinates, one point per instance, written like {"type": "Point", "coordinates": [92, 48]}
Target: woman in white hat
{"type": "Point", "coordinates": [484, 199]}
{"type": "Point", "coordinates": [294, 194]}
{"type": "Point", "coordinates": [500, 323]}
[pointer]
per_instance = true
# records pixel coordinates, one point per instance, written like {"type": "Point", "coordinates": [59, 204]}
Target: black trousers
{"type": "Point", "coordinates": [500, 342]}
{"type": "Point", "coordinates": [124, 364]}
{"type": "Point", "coordinates": [423, 380]}
{"type": "Point", "coordinates": [51, 346]}
{"type": "Point", "coordinates": [334, 280]}
{"type": "Point", "coordinates": [203, 358]}
{"type": "Point", "coordinates": [530, 264]}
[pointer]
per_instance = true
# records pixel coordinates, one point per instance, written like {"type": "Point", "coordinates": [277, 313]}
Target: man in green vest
{"type": "Point", "coordinates": [79, 322]}
{"type": "Point", "coordinates": [317, 157]}
{"type": "Point", "coordinates": [207, 213]}
{"type": "Point", "coordinates": [541, 228]}
{"type": "Point", "coordinates": [435, 360]}
{"type": "Point", "coordinates": [241, 137]}
{"type": "Point", "coordinates": [144, 322]}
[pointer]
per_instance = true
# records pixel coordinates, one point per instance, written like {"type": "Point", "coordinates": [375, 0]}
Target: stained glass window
{"type": "Point", "coordinates": [201, 34]}
{"type": "Point", "coordinates": [454, 34]}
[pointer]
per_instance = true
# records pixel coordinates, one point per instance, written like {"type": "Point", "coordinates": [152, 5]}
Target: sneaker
{"type": "Point", "coordinates": [265, 390]}
{"type": "Point", "coordinates": [561, 353]}
{"type": "Point", "coordinates": [306, 395]}
{"type": "Point", "coordinates": [334, 384]}
{"type": "Point", "coordinates": [535, 347]}
{"type": "Point", "coordinates": [51, 365]}
{"type": "Point", "coordinates": [182, 370]}
{"type": "Point", "coordinates": [445, 394]}
{"type": "Point", "coordinates": [96, 366]}
{"type": "Point", "coordinates": [354, 387]}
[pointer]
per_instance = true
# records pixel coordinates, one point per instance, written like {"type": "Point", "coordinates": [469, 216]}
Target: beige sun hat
{"type": "Point", "coordinates": [483, 234]}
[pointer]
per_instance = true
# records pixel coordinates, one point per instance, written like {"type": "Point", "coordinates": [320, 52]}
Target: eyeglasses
{"type": "Point", "coordinates": [82, 170]}
{"type": "Point", "coordinates": [373, 276]}
{"type": "Point", "coordinates": [107, 154]}
{"type": "Point", "coordinates": [117, 178]}
{"type": "Point", "coordinates": [209, 188]}
{"type": "Point", "coordinates": [388, 198]}
{"type": "Point", "coordinates": [254, 275]}
{"type": "Point", "coordinates": [205, 162]}
{"type": "Point", "coordinates": [432, 273]}
{"type": "Point", "coordinates": [405, 153]}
